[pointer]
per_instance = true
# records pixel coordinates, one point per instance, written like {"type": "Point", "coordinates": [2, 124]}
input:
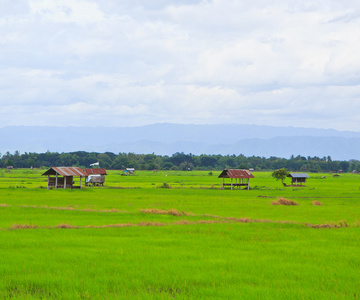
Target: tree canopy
{"type": "Point", "coordinates": [280, 174]}
{"type": "Point", "coordinates": [177, 161]}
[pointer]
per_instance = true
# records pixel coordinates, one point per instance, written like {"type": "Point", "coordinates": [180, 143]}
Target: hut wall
{"type": "Point", "coordinates": [96, 179]}
{"type": "Point", "coordinates": [298, 180]}
{"type": "Point", "coordinates": [60, 181]}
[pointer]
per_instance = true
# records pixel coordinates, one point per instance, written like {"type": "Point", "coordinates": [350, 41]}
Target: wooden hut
{"type": "Point", "coordinates": [63, 177]}
{"type": "Point", "coordinates": [298, 179]}
{"type": "Point", "coordinates": [95, 176]}
{"type": "Point", "coordinates": [238, 178]}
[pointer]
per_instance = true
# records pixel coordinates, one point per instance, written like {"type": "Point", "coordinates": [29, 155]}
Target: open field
{"type": "Point", "coordinates": [134, 240]}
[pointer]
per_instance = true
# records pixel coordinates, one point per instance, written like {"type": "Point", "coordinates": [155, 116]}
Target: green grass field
{"type": "Point", "coordinates": [134, 240]}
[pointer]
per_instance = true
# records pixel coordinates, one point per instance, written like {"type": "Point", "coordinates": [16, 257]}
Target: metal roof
{"type": "Point", "coordinates": [65, 171]}
{"type": "Point", "coordinates": [235, 173]}
{"type": "Point", "coordinates": [97, 171]}
{"type": "Point", "coordinates": [298, 175]}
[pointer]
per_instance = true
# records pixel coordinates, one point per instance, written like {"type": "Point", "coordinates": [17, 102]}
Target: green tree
{"type": "Point", "coordinates": [344, 165]}
{"type": "Point", "coordinates": [104, 160]}
{"type": "Point", "coordinates": [280, 174]}
{"type": "Point", "coordinates": [207, 161]}
{"type": "Point", "coordinates": [68, 160]}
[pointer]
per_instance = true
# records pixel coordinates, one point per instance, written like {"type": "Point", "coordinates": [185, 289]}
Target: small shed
{"type": "Point", "coordinates": [95, 176]}
{"type": "Point", "coordinates": [64, 177]}
{"type": "Point", "coordinates": [129, 171]}
{"type": "Point", "coordinates": [242, 178]}
{"type": "Point", "coordinates": [298, 179]}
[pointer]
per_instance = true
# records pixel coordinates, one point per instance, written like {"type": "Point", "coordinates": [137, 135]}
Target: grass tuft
{"type": "Point", "coordinates": [316, 203]}
{"type": "Point", "coordinates": [284, 201]}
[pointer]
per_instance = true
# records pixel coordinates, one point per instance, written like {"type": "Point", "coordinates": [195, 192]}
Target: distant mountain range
{"type": "Point", "coordinates": [167, 139]}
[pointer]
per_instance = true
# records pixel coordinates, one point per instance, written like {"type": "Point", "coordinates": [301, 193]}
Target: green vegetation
{"type": "Point", "coordinates": [178, 161]}
{"type": "Point", "coordinates": [177, 234]}
{"type": "Point", "coordinates": [280, 174]}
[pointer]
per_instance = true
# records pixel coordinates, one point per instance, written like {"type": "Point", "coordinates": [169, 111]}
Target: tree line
{"type": "Point", "coordinates": [177, 161]}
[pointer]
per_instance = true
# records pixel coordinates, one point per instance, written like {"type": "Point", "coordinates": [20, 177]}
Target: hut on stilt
{"type": "Point", "coordinates": [238, 178]}
{"type": "Point", "coordinates": [63, 177]}
{"type": "Point", "coordinates": [298, 179]}
{"type": "Point", "coordinates": [95, 176]}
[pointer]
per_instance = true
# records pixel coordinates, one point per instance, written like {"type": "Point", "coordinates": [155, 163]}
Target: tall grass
{"type": "Point", "coordinates": [200, 261]}
{"type": "Point", "coordinates": [132, 240]}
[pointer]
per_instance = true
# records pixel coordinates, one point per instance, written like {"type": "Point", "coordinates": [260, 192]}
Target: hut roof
{"type": "Point", "coordinates": [65, 171]}
{"type": "Point", "coordinates": [298, 175]}
{"type": "Point", "coordinates": [97, 171]}
{"type": "Point", "coordinates": [235, 173]}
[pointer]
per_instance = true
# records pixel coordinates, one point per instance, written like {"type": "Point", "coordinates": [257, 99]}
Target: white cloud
{"type": "Point", "coordinates": [124, 63]}
{"type": "Point", "coordinates": [67, 11]}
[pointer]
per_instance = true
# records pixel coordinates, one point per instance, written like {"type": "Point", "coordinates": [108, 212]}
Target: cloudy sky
{"type": "Point", "coordinates": [132, 63]}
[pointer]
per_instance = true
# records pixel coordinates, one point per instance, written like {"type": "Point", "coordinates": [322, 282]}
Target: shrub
{"type": "Point", "coordinates": [165, 186]}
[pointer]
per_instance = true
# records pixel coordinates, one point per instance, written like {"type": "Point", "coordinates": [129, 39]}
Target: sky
{"type": "Point", "coordinates": [132, 63]}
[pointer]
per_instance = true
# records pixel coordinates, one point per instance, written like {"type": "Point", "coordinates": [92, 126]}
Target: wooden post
{"type": "Point", "coordinates": [223, 182]}
{"type": "Point", "coordinates": [231, 183]}
{"type": "Point", "coordinates": [64, 182]}
{"type": "Point", "coordinates": [248, 183]}
{"type": "Point", "coordinates": [80, 181]}
{"type": "Point", "coordinates": [56, 181]}
{"type": "Point", "coordinates": [48, 182]}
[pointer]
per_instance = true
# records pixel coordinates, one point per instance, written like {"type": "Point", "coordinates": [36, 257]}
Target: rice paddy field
{"type": "Point", "coordinates": [178, 235]}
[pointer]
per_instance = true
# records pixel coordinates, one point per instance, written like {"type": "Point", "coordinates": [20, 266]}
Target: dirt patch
{"type": "Point", "coordinates": [341, 224]}
{"type": "Point", "coordinates": [111, 210]}
{"type": "Point", "coordinates": [22, 226]}
{"type": "Point", "coordinates": [66, 226]}
{"type": "Point", "coordinates": [172, 212]}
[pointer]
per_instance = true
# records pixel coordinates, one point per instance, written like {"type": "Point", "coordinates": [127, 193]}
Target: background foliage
{"type": "Point", "coordinates": [178, 161]}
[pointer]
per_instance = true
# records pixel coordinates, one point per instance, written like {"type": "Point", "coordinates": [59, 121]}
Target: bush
{"type": "Point", "coordinates": [165, 186]}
